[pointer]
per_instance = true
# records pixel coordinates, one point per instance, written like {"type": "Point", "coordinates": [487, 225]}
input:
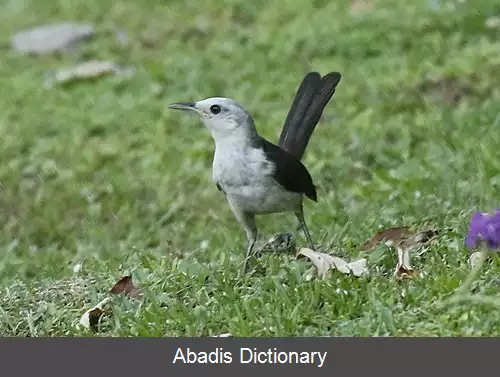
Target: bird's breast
{"type": "Point", "coordinates": [247, 180]}
{"type": "Point", "coordinates": [236, 167]}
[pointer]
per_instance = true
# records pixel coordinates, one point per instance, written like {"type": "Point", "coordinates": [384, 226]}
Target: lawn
{"type": "Point", "coordinates": [99, 180]}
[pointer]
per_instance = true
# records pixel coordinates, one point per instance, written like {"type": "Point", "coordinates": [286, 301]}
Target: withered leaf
{"type": "Point", "coordinates": [325, 262]}
{"type": "Point", "coordinates": [388, 236]}
{"type": "Point", "coordinates": [394, 236]}
{"type": "Point", "coordinates": [126, 286]}
{"type": "Point", "coordinates": [404, 242]}
{"type": "Point", "coordinates": [403, 267]}
{"type": "Point", "coordinates": [418, 240]}
{"type": "Point", "coordinates": [90, 318]}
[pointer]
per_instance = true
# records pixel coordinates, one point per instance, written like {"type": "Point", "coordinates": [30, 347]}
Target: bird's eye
{"type": "Point", "coordinates": [215, 109]}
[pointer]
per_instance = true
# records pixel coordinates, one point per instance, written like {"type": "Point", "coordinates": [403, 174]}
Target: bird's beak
{"type": "Point", "coordinates": [183, 106]}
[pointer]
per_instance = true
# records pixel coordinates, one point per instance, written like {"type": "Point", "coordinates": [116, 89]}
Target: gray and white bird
{"type": "Point", "coordinates": [257, 176]}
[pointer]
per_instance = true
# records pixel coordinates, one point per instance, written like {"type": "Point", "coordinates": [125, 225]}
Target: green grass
{"type": "Point", "coordinates": [102, 174]}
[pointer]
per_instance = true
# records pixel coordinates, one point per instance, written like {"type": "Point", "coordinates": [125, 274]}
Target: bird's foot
{"type": "Point", "coordinates": [280, 243]}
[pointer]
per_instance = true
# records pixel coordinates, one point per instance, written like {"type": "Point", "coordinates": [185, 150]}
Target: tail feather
{"type": "Point", "coordinates": [311, 98]}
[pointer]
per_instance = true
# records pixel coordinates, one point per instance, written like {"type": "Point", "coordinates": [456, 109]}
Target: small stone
{"type": "Point", "coordinates": [493, 22]}
{"type": "Point", "coordinates": [47, 39]}
{"type": "Point", "coordinates": [87, 70]}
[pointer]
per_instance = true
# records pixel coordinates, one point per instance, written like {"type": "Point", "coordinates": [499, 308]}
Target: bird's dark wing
{"type": "Point", "coordinates": [290, 173]}
{"type": "Point", "coordinates": [311, 98]}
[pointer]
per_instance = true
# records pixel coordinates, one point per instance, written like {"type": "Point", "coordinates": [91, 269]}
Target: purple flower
{"type": "Point", "coordinates": [484, 227]}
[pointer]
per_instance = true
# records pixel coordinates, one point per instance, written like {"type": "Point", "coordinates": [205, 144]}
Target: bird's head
{"type": "Point", "coordinates": [222, 116]}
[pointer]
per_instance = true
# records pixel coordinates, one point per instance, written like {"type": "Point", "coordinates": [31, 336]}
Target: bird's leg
{"type": "Point", "coordinates": [302, 222]}
{"type": "Point", "coordinates": [251, 231]}
{"type": "Point", "coordinates": [247, 221]}
{"type": "Point", "coordinates": [251, 244]}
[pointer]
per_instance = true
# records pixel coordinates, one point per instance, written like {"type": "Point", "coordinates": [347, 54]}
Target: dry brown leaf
{"type": "Point", "coordinates": [91, 317]}
{"type": "Point", "coordinates": [395, 236]}
{"type": "Point", "coordinates": [325, 262]}
{"type": "Point", "coordinates": [403, 267]}
{"type": "Point", "coordinates": [418, 240]}
{"type": "Point", "coordinates": [125, 286]}
{"type": "Point", "coordinates": [404, 242]}
{"type": "Point", "coordinates": [389, 236]}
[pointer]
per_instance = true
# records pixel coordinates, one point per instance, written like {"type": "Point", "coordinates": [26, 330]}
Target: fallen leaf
{"type": "Point", "coordinates": [388, 236]}
{"type": "Point", "coordinates": [125, 286]}
{"type": "Point", "coordinates": [404, 242]}
{"type": "Point", "coordinates": [417, 240]}
{"type": "Point", "coordinates": [405, 246]}
{"type": "Point", "coordinates": [427, 235]}
{"type": "Point", "coordinates": [394, 236]}
{"type": "Point", "coordinates": [225, 335]}
{"type": "Point", "coordinates": [403, 267]}
{"type": "Point", "coordinates": [325, 262]}
{"type": "Point", "coordinates": [91, 317]}
{"type": "Point", "coordinates": [88, 70]}
{"type": "Point", "coordinates": [46, 39]}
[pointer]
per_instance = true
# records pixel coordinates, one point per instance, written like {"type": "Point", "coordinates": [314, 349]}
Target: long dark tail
{"type": "Point", "coordinates": [311, 98]}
